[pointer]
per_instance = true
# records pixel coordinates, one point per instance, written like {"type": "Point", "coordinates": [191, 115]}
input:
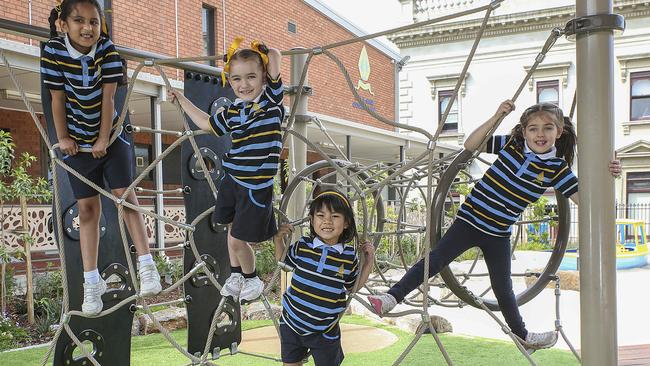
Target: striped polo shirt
{"type": "Point", "coordinates": [256, 136]}
{"type": "Point", "coordinates": [515, 180]}
{"type": "Point", "coordinates": [81, 76]}
{"type": "Point", "coordinates": [318, 292]}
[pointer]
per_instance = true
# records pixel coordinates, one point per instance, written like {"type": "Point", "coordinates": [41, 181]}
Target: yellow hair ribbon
{"type": "Point", "coordinates": [231, 51]}
{"type": "Point", "coordinates": [256, 46]}
{"type": "Point", "coordinates": [57, 7]}
{"type": "Point", "coordinates": [335, 194]}
{"type": "Point", "coordinates": [104, 26]}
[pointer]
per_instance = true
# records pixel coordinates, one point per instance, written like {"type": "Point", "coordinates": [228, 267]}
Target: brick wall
{"type": "Point", "coordinates": [150, 26]}
{"type": "Point", "coordinates": [25, 135]}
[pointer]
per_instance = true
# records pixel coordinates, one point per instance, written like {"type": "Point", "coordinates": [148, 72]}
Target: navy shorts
{"type": "Point", "coordinates": [116, 167]}
{"type": "Point", "coordinates": [294, 347]}
{"type": "Point", "coordinates": [249, 211]}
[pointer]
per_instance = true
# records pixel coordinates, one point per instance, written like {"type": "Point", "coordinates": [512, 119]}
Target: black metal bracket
{"type": "Point", "coordinates": [594, 23]}
{"type": "Point", "coordinates": [293, 90]}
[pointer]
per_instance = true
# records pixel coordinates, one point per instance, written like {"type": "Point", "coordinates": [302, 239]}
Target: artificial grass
{"type": "Point", "coordinates": [155, 350]}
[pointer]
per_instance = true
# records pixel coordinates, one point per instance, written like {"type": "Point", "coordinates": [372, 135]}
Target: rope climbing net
{"type": "Point", "coordinates": [429, 178]}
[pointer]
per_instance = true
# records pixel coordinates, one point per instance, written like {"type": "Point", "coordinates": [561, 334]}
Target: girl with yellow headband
{"type": "Point", "coordinates": [245, 195]}
{"type": "Point", "coordinates": [326, 269]}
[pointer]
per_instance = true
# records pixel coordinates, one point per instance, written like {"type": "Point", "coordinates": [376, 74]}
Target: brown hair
{"type": "Point", "coordinates": [245, 55]}
{"type": "Point", "coordinates": [565, 145]}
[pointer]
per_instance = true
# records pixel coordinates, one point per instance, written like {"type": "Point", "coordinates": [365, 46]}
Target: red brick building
{"type": "Point", "coordinates": [185, 28]}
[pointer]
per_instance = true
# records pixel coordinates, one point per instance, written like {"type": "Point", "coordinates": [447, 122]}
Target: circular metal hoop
{"type": "Point", "coordinates": [353, 168]}
{"type": "Point", "coordinates": [448, 276]}
{"type": "Point", "coordinates": [97, 352]}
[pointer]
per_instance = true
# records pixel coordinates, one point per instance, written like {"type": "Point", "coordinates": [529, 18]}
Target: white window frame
{"type": "Point", "coordinates": [556, 71]}
{"type": "Point", "coordinates": [631, 64]}
{"type": "Point", "coordinates": [448, 83]}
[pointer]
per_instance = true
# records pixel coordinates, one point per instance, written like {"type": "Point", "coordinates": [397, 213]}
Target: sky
{"type": "Point", "coordinates": [385, 14]}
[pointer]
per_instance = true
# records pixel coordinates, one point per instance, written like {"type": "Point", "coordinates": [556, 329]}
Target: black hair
{"type": "Point", "coordinates": [63, 11]}
{"type": "Point", "coordinates": [565, 145]}
{"type": "Point", "coordinates": [335, 202]}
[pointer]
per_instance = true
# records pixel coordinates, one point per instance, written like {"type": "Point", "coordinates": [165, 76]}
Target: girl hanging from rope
{"type": "Point", "coordinates": [253, 121]}
{"type": "Point", "coordinates": [536, 155]}
{"type": "Point", "coordinates": [326, 269]}
{"type": "Point", "coordinates": [82, 70]}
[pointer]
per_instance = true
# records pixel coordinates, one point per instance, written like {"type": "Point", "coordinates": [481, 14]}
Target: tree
{"type": "Point", "coordinates": [17, 184]}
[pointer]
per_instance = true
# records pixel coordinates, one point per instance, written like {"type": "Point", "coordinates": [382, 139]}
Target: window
{"type": "Point", "coordinates": [292, 28]}
{"type": "Point", "coordinates": [640, 96]}
{"type": "Point", "coordinates": [444, 97]}
{"type": "Point", "coordinates": [207, 29]}
{"type": "Point", "coordinates": [548, 92]}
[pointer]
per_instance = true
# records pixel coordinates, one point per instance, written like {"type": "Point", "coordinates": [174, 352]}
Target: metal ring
{"type": "Point", "coordinates": [98, 349]}
{"type": "Point", "coordinates": [448, 276]}
{"type": "Point", "coordinates": [594, 23]}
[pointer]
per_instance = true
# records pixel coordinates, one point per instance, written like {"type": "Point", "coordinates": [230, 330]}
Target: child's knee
{"type": "Point", "coordinates": [89, 209]}
{"type": "Point", "coordinates": [130, 198]}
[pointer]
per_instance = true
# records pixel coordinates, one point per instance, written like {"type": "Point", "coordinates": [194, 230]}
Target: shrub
{"type": "Point", "coordinates": [10, 334]}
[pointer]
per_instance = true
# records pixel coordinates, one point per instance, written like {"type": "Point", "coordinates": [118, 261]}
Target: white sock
{"type": "Point", "coordinates": [91, 277]}
{"type": "Point", "coordinates": [145, 259]}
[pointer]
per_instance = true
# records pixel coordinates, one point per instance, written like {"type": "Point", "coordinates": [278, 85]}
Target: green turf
{"type": "Point", "coordinates": [155, 350]}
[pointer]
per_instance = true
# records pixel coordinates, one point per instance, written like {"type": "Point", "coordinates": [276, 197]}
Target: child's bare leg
{"type": "Point", "coordinates": [292, 364]}
{"type": "Point", "coordinates": [89, 211]}
{"type": "Point", "coordinates": [134, 222]}
{"type": "Point", "coordinates": [241, 254]}
{"type": "Point", "coordinates": [232, 254]}
{"type": "Point", "coordinates": [149, 277]}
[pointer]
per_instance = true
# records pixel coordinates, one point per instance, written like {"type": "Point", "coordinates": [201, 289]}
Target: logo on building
{"type": "Point", "coordinates": [364, 71]}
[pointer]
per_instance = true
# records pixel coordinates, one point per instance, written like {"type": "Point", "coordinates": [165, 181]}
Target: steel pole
{"type": "Point", "coordinates": [595, 78]}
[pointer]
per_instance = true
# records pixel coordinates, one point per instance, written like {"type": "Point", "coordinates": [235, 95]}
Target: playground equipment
{"type": "Point", "coordinates": [361, 182]}
{"type": "Point", "coordinates": [631, 247]}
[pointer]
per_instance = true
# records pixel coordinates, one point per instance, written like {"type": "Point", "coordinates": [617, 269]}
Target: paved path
{"type": "Point", "coordinates": [355, 338]}
{"type": "Point", "coordinates": [633, 308]}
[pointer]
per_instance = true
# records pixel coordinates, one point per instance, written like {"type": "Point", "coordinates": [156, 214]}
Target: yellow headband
{"type": "Point", "coordinates": [255, 46]}
{"type": "Point", "coordinates": [335, 194]}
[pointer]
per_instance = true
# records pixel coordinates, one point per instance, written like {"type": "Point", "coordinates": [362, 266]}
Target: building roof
{"type": "Point", "coordinates": [352, 28]}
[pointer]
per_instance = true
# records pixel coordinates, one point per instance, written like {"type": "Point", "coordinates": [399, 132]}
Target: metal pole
{"type": "Point", "coordinates": [299, 153]}
{"type": "Point", "coordinates": [595, 76]}
{"type": "Point", "coordinates": [348, 147]}
{"type": "Point", "coordinates": [43, 34]}
{"type": "Point", "coordinates": [159, 204]}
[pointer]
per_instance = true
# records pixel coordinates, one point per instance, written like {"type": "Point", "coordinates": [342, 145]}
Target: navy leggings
{"type": "Point", "coordinates": [460, 237]}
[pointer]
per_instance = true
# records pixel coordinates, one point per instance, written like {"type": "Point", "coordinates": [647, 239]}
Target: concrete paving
{"type": "Point", "coordinates": [355, 338]}
{"type": "Point", "coordinates": [633, 306]}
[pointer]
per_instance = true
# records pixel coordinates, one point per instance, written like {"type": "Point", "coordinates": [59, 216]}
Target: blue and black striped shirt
{"type": "Point", "coordinates": [515, 180]}
{"type": "Point", "coordinates": [256, 136]}
{"type": "Point", "coordinates": [81, 77]}
{"type": "Point", "coordinates": [323, 276]}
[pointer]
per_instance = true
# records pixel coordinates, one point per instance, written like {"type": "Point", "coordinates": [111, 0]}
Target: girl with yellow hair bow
{"type": "Point", "coordinates": [253, 121]}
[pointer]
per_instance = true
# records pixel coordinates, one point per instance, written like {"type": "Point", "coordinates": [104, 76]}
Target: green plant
{"type": "Point", "coordinates": [265, 262]}
{"type": "Point", "coordinates": [10, 334]}
{"type": "Point", "coordinates": [48, 313]}
{"type": "Point", "coordinates": [537, 239]}
{"type": "Point", "coordinates": [48, 300]}
{"type": "Point", "coordinates": [17, 183]}
{"type": "Point", "coordinates": [169, 267]}
{"type": "Point", "coordinates": [49, 284]}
